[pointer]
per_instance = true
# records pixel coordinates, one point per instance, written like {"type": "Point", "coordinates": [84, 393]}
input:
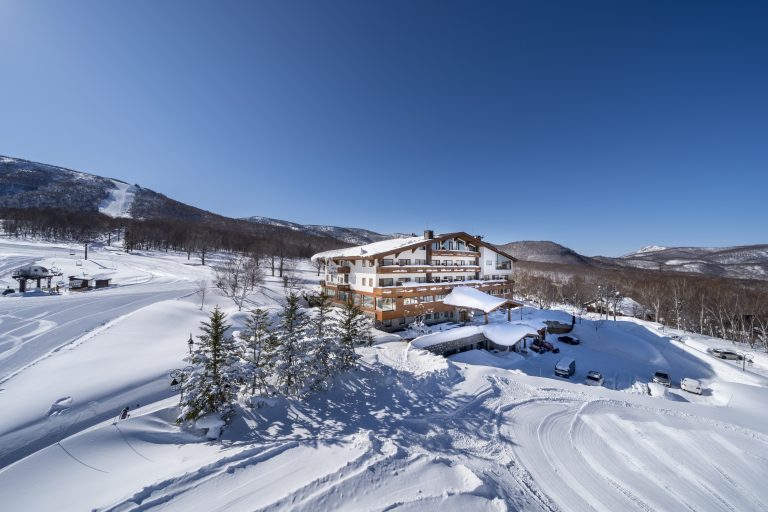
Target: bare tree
{"type": "Point", "coordinates": [237, 277]}
{"type": "Point", "coordinates": [201, 289]}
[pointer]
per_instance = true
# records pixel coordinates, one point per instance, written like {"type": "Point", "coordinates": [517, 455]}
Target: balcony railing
{"type": "Point", "coordinates": [453, 252]}
{"type": "Point", "coordinates": [437, 288]}
{"type": "Point", "coordinates": [343, 270]}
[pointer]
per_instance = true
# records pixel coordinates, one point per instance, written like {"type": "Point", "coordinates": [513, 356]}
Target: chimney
{"type": "Point", "coordinates": [429, 234]}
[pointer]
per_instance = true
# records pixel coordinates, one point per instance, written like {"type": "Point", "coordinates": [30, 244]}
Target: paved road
{"type": "Point", "coordinates": [31, 327]}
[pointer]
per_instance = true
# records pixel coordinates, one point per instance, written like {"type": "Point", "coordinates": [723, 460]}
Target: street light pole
{"type": "Point", "coordinates": [178, 376]}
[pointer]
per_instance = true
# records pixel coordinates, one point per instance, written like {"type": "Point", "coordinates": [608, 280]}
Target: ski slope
{"type": "Point", "coordinates": [406, 430]}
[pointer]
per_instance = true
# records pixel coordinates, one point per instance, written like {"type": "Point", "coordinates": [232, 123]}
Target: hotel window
{"type": "Point", "coordinates": [383, 304]}
{"type": "Point", "coordinates": [408, 301]}
{"type": "Point", "coordinates": [450, 245]}
{"type": "Point", "coordinates": [403, 261]}
{"type": "Point", "coordinates": [420, 279]}
{"type": "Point", "coordinates": [387, 262]}
{"type": "Point", "coordinates": [436, 246]}
{"type": "Point", "coordinates": [387, 282]}
{"type": "Point", "coordinates": [459, 245]}
{"type": "Point", "coordinates": [427, 298]}
{"type": "Point", "coordinates": [439, 297]}
{"type": "Point", "coordinates": [436, 262]}
{"type": "Point", "coordinates": [367, 301]}
{"type": "Point", "coordinates": [419, 262]}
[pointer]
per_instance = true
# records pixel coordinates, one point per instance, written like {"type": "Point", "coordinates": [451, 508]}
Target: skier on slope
{"type": "Point", "coordinates": [124, 413]}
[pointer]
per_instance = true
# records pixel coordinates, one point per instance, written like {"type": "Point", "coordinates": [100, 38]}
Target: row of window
{"type": "Point", "coordinates": [428, 316]}
{"type": "Point", "coordinates": [387, 262]}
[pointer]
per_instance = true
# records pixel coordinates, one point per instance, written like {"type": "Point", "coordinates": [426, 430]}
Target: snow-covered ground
{"type": "Point", "coordinates": [406, 430]}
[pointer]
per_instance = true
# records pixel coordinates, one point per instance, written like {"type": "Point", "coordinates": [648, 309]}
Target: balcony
{"type": "Point", "coordinates": [343, 287]}
{"type": "Point", "coordinates": [451, 252]}
{"type": "Point", "coordinates": [419, 269]}
{"type": "Point", "coordinates": [415, 289]}
{"type": "Point", "coordinates": [343, 270]}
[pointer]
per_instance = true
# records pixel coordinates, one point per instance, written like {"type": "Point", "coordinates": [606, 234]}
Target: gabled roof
{"type": "Point", "coordinates": [397, 245]}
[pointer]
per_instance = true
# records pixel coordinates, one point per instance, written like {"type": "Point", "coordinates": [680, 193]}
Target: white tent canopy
{"type": "Point", "coordinates": [467, 297]}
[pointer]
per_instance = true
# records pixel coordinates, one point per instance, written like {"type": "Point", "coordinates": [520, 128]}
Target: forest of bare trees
{"type": "Point", "coordinates": [195, 238]}
{"type": "Point", "coordinates": [731, 309]}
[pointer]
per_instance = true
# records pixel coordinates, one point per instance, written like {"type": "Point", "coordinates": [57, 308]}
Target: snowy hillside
{"type": "Point", "coordinates": [353, 236]}
{"type": "Point", "coordinates": [406, 430]}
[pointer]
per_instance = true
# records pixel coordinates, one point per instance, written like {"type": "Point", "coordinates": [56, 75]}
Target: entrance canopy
{"type": "Point", "coordinates": [472, 298]}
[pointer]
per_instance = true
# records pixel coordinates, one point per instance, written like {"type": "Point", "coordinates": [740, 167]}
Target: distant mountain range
{"type": "Point", "coordinates": [742, 262]}
{"type": "Point", "coordinates": [25, 184]}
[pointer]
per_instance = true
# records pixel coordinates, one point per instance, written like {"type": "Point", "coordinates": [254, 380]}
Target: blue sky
{"type": "Point", "coordinates": [604, 126]}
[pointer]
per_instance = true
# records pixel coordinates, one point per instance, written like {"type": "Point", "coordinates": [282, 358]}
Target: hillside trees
{"type": "Point", "coordinates": [727, 308]}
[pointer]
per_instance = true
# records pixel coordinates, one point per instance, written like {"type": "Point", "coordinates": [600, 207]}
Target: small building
{"type": "Point", "coordinates": [101, 282]}
{"type": "Point", "coordinates": [501, 337]}
{"type": "Point", "coordinates": [77, 284]}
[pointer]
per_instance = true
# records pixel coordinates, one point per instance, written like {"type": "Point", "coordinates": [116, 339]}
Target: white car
{"type": "Point", "coordinates": [691, 385]}
{"type": "Point", "coordinates": [594, 378]}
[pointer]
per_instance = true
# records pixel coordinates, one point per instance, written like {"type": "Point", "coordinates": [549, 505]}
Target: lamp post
{"type": "Point", "coordinates": [178, 376]}
{"type": "Point", "coordinates": [743, 360]}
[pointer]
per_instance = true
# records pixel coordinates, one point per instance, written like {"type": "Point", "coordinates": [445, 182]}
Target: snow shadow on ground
{"type": "Point", "coordinates": [389, 402]}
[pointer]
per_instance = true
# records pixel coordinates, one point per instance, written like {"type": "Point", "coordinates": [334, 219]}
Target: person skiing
{"type": "Point", "coordinates": [124, 413]}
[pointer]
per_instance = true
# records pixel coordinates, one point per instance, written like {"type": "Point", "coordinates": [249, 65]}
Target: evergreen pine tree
{"type": "Point", "coordinates": [213, 385]}
{"type": "Point", "coordinates": [355, 330]}
{"type": "Point", "coordinates": [255, 338]}
{"type": "Point", "coordinates": [287, 352]}
{"type": "Point", "coordinates": [325, 339]}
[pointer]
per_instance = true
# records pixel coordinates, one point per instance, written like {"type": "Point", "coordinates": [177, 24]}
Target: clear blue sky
{"type": "Point", "coordinates": [604, 126]}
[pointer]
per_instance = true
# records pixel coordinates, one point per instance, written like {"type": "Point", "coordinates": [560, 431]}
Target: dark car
{"type": "Point", "coordinates": [569, 340]}
{"type": "Point", "coordinates": [662, 378]}
{"type": "Point", "coordinates": [548, 346]}
{"type": "Point", "coordinates": [8, 291]}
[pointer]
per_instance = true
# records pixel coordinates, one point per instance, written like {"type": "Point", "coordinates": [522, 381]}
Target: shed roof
{"type": "Point", "coordinates": [468, 297]}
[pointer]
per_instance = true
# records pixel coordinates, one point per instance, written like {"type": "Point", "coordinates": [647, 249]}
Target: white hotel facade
{"type": "Point", "coordinates": [395, 281]}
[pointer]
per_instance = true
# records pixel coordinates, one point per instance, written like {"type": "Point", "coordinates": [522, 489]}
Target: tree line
{"type": "Point", "coordinates": [732, 309]}
{"type": "Point", "coordinates": [291, 357]}
{"type": "Point", "coordinates": [196, 238]}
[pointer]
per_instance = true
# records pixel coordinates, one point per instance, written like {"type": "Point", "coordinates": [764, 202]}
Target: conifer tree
{"type": "Point", "coordinates": [213, 385]}
{"type": "Point", "coordinates": [287, 351]}
{"type": "Point", "coordinates": [355, 329]}
{"type": "Point", "coordinates": [255, 338]}
{"type": "Point", "coordinates": [325, 336]}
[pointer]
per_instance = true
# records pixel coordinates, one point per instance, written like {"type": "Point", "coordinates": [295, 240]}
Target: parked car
{"type": "Point", "coordinates": [726, 354]}
{"type": "Point", "coordinates": [8, 291]}
{"type": "Point", "coordinates": [690, 385]}
{"type": "Point", "coordinates": [569, 340]}
{"type": "Point", "coordinates": [548, 346]}
{"type": "Point", "coordinates": [662, 378]}
{"type": "Point", "coordinates": [594, 378]}
{"type": "Point", "coordinates": [565, 367]}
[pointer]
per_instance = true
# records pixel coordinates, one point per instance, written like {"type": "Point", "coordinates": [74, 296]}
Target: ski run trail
{"type": "Point", "coordinates": [406, 430]}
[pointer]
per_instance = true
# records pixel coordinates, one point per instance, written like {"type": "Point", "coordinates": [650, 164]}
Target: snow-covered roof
{"type": "Point", "coordinates": [508, 333]}
{"type": "Point", "coordinates": [505, 333]}
{"type": "Point", "coordinates": [437, 338]}
{"type": "Point", "coordinates": [467, 297]}
{"type": "Point", "coordinates": [363, 251]}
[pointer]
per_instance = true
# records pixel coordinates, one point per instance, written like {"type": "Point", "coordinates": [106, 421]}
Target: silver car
{"type": "Point", "coordinates": [594, 378]}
